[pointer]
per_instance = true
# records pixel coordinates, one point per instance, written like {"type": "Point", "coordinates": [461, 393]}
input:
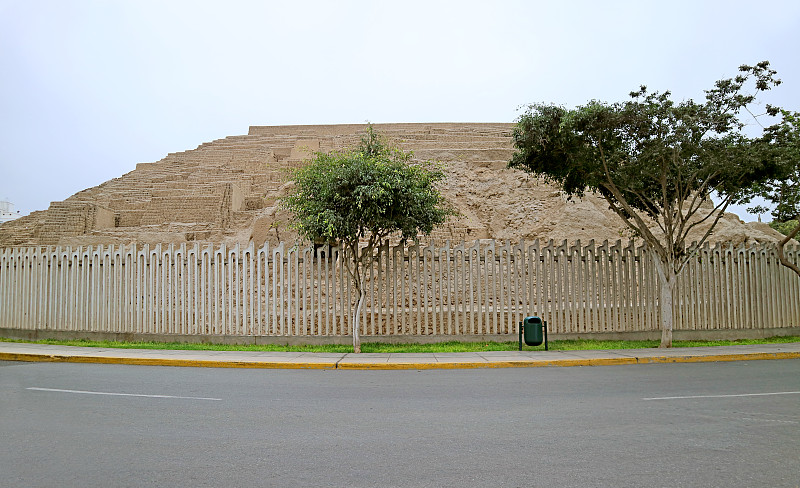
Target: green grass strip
{"type": "Point", "coordinates": [379, 347]}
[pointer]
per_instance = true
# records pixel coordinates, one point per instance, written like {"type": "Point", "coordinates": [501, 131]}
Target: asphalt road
{"type": "Point", "coordinates": [708, 424]}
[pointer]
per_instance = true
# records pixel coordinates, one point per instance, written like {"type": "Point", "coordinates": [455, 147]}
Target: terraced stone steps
{"type": "Point", "coordinates": [226, 190]}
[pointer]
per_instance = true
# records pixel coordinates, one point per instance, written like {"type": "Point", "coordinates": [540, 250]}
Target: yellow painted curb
{"type": "Point", "coordinates": [533, 363]}
{"type": "Point", "coordinates": [572, 362]}
{"type": "Point", "coordinates": [192, 363]}
{"type": "Point", "coordinates": [753, 356]}
{"type": "Point", "coordinates": [490, 364]}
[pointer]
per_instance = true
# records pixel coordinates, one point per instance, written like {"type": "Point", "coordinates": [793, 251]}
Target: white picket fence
{"type": "Point", "coordinates": [482, 289]}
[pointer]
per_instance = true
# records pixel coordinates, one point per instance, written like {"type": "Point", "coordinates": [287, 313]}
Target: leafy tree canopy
{"type": "Point", "coordinates": [784, 191]}
{"type": "Point", "coordinates": [784, 228]}
{"type": "Point", "coordinates": [656, 161]}
{"type": "Point", "coordinates": [359, 198]}
{"type": "Point", "coordinates": [367, 193]}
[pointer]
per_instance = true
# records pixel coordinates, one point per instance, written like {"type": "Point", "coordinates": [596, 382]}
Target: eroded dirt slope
{"type": "Point", "coordinates": [228, 191]}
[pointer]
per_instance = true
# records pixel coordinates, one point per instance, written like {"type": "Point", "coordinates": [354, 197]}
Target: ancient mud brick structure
{"type": "Point", "coordinates": [226, 191]}
{"type": "Point", "coordinates": [74, 218]}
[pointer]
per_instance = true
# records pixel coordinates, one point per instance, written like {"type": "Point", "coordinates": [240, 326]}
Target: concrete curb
{"type": "Point", "coordinates": [397, 365]}
{"type": "Point", "coordinates": [189, 363]}
{"type": "Point", "coordinates": [573, 362]}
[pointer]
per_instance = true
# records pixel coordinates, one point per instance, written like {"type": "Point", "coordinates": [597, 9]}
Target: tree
{"type": "Point", "coordinates": [784, 228]}
{"type": "Point", "coordinates": [655, 162]}
{"type": "Point", "coordinates": [360, 198]}
{"type": "Point", "coordinates": [784, 191]}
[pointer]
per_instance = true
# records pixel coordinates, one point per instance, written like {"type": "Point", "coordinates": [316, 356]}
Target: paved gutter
{"type": "Point", "coordinates": [15, 351]}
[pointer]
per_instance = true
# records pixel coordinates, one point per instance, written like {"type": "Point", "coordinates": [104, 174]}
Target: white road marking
{"type": "Point", "coordinates": [725, 396]}
{"type": "Point", "coordinates": [770, 420]}
{"type": "Point", "coordinates": [122, 394]}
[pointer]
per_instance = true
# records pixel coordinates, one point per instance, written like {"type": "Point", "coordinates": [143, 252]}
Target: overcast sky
{"type": "Point", "coordinates": [90, 88]}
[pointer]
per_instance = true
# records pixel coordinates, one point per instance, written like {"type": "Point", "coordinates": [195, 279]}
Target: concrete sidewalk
{"type": "Point", "coordinates": [13, 351]}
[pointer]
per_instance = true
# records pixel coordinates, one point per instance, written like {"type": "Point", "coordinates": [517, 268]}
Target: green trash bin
{"type": "Point", "coordinates": [534, 331]}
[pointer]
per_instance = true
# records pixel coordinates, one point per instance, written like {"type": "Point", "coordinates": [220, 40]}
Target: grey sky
{"type": "Point", "coordinates": [90, 88]}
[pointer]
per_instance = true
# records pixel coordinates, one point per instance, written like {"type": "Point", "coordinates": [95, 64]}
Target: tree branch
{"type": "Point", "coordinates": [628, 212]}
{"type": "Point", "coordinates": [651, 206]}
{"type": "Point", "coordinates": [782, 256]}
{"type": "Point", "coordinates": [667, 211]}
{"type": "Point", "coordinates": [702, 241]}
{"type": "Point", "coordinates": [719, 209]}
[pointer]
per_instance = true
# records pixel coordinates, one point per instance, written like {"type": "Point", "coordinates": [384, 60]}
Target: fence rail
{"type": "Point", "coordinates": [483, 289]}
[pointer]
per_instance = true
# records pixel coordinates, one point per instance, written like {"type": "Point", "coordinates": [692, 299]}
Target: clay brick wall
{"type": "Point", "coordinates": [225, 189]}
{"type": "Point", "coordinates": [74, 218]}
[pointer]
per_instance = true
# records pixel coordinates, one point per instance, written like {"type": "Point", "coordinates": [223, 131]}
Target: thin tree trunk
{"type": "Point", "coordinates": [356, 324]}
{"type": "Point", "coordinates": [355, 276]}
{"type": "Point", "coordinates": [668, 280]}
{"type": "Point", "coordinates": [667, 318]}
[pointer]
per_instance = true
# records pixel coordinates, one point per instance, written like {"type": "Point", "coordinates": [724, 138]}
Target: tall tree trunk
{"type": "Point", "coordinates": [358, 283]}
{"type": "Point", "coordinates": [668, 280]}
{"type": "Point", "coordinates": [356, 324]}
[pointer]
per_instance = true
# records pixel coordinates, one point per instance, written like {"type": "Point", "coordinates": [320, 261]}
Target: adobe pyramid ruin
{"type": "Point", "coordinates": [228, 190]}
